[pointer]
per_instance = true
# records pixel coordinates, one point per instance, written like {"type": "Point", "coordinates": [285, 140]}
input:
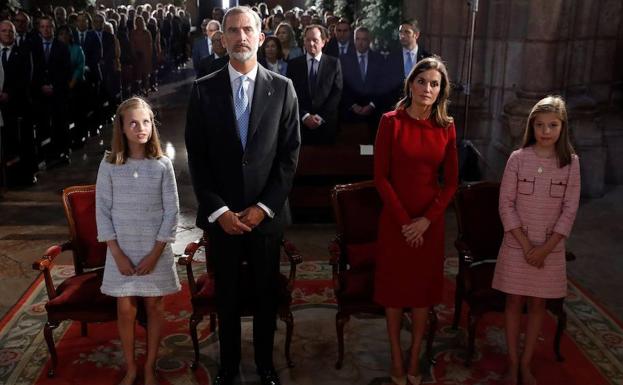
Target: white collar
{"type": "Point", "coordinates": [233, 74]}
{"type": "Point", "coordinates": [411, 51]}
{"type": "Point", "coordinates": [317, 58]}
{"type": "Point", "coordinates": [359, 54]}
{"type": "Point", "coordinates": [10, 47]}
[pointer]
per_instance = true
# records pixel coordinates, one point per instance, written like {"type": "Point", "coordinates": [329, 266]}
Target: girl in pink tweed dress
{"type": "Point", "coordinates": [539, 197]}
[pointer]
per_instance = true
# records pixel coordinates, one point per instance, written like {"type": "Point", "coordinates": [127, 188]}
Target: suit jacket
{"type": "Point", "coordinates": [201, 49]}
{"type": "Point", "coordinates": [225, 174]}
{"type": "Point", "coordinates": [326, 99]}
{"type": "Point", "coordinates": [93, 54]}
{"type": "Point", "coordinates": [332, 48]}
{"type": "Point", "coordinates": [56, 71]}
{"type": "Point", "coordinates": [17, 73]}
{"type": "Point", "coordinates": [210, 64]}
{"type": "Point", "coordinates": [362, 91]}
{"type": "Point", "coordinates": [396, 74]}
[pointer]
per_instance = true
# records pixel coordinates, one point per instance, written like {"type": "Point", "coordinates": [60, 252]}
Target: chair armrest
{"type": "Point", "coordinates": [187, 260]}
{"type": "Point", "coordinates": [294, 257]}
{"type": "Point", "coordinates": [44, 264]}
{"type": "Point", "coordinates": [335, 254]}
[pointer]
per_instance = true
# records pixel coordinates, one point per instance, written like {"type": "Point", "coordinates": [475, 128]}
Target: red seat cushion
{"type": "Point", "coordinates": [79, 298]}
{"type": "Point", "coordinates": [361, 255]}
{"type": "Point", "coordinates": [356, 285]}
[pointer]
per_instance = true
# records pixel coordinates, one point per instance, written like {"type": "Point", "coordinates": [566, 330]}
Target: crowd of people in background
{"type": "Point", "coordinates": [64, 71]}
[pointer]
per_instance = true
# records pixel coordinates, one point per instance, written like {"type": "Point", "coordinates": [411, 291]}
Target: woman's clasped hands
{"type": "Point", "coordinates": [414, 231]}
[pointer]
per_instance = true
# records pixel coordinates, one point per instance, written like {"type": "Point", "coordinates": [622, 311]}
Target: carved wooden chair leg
{"type": "Point", "coordinates": [83, 329]}
{"type": "Point", "coordinates": [471, 337]}
{"type": "Point", "coordinates": [432, 328]}
{"type": "Point", "coordinates": [560, 328]}
{"type": "Point", "coordinates": [340, 321]}
{"type": "Point", "coordinates": [194, 321]}
{"type": "Point", "coordinates": [458, 305]}
{"type": "Point", "coordinates": [49, 339]}
{"type": "Point", "coordinates": [289, 320]}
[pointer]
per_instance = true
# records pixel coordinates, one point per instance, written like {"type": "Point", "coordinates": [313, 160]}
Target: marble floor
{"type": "Point", "coordinates": [31, 219]}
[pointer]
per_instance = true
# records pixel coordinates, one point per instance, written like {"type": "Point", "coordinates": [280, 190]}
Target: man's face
{"type": "Point", "coordinates": [408, 36]}
{"type": "Point", "coordinates": [217, 44]}
{"type": "Point", "coordinates": [21, 23]}
{"type": "Point", "coordinates": [98, 22]}
{"type": "Point", "coordinates": [46, 29]}
{"type": "Point", "coordinates": [241, 37]}
{"type": "Point", "coordinates": [82, 23]}
{"type": "Point", "coordinates": [211, 29]}
{"type": "Point", "coordinates": [60, 15]}
{"type": "Point", "coordinates": [362, 41]}
{"type": "Point", "coordinates": [342, 32]}
{"type": "Point", "coordinates": [313, 41]}
{"type": "Point", "coordinates": [217, 14]}
{"type": "Point", "coordinates": [7, 33]}
{"type": "Point", "coordinates": [305, 20]}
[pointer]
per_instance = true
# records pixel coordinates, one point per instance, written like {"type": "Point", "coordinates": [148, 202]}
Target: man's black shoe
{"type": "Point", "coordinates": [269, 377]}
{"type": "Point", "coordinates": [224, 378]}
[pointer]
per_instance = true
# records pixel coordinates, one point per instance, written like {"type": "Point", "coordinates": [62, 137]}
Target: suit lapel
{"type": "Point", "coordinates": [227, 103]}
{"type": "Point", "coordinates": [262, 95]}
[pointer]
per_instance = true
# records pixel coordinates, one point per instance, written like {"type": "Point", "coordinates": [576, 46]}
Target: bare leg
{"type": "Point", "coordinates": [418, 318]}
{"type": "Point", "coordinates": [536, 310]}
{"type": "Point", "coordinates": [512, 313]}
{"type": "Point", "coordinates": [126, 319]}
{"type": "Point", "coordinates": [155, 318]}
{"type": "Point", "coordinates": [394, 318]}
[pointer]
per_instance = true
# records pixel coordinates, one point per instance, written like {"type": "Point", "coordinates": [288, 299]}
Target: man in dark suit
{"type": "Point", "coordinates": [202, 46]}
{"type": "Point", "coordinates": [17, 137]}
{"type": "Point", "coordinates": [318, 82]}
{"type": "Point", "coordinates": [343, 44]}
{"type": "Point", "coordinates": [400, 62]}
{"type": "Point", "coordinates": [243, 139]}
{"type": "Point", "coordinates": [92, 47]}
{"type": "Point", "coordinates": [23, 35]}
{"type": "Point", "coordinates": [50, 82]}
{"type": "Point", "coordinates": [217, 60]}
{"type": "Point", "coordinates": [363, 73]}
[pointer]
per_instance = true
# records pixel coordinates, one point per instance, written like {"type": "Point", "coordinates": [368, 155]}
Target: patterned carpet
{"type": "Point", "coordinates": [592, 345]}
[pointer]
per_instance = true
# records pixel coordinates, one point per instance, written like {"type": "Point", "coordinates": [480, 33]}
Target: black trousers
{"type": "Point", "coordinates": [262, 252]}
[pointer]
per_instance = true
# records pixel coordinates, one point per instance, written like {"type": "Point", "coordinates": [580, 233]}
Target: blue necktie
{"type": "Point", "coordinates": [241, 104]}
{"type": "Point", "coordinates": [362, 66]}
{"type": "Point", "coordinates": [408, 64]}
{"type": "Point", "coordinates": [313, 74]}
{"type": "Point", "coordinates": [343, 50]}
{"type": "Point", "coordinates": [46, 50]}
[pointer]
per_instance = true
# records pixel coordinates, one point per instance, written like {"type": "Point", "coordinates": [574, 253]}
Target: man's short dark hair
{"type": "Point", "coordinates": [413, 23]}
{"type": "Point", "coordinates": [324, 34]}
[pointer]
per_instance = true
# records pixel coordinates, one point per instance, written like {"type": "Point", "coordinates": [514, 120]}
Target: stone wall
{"type": "Point", "coordinates": [524, 50]}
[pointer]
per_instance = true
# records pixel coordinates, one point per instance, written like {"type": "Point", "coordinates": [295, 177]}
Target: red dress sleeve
{"type": "Point", "coordinates": [450, 177]}
{"type": "Point", "coordinates": [382, 165]}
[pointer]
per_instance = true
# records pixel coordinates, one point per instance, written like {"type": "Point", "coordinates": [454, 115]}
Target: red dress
{"type": "Point", "coordinates": [409, 155]}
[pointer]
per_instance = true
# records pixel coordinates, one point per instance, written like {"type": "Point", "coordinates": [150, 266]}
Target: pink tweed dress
{"type": "Point", "coordinates": [540, 198]}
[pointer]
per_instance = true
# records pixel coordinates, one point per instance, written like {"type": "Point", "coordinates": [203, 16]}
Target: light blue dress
{"type": "Point", "coordinates": [137, 204]}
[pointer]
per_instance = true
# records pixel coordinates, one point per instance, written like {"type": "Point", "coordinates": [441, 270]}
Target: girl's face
{"type": "Point", "coordinates": [425, 88]}
{"type": "Point", "coordinates": [137, 126]}
{"type": "Point", "coordinates": [270, 49]}
{"type": "Point", "coordinates": [547, 127]}
{"type": "Point", "coordinates": [282, 35]}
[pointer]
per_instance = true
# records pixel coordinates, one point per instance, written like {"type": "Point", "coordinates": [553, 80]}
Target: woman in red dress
{"type": "Point", "coordinates": [414, 142]}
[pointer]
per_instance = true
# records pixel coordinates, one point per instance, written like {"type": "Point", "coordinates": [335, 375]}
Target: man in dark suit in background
{"type": "Point", "coordinates": [50, 82]}
{"type": "Point", "coordinates": [243, 139]}
{"type": "Point", "coordinates": [202, 46]}
{"type": "Point", "coordinates": [363, 79]}
{"type": "Point", "coordinates": [400, 62]}
{"type": "Point", "coordinates": [17, 133]}
{"type": "Point", "coordinates": [217, 60]}
{"type": "Point", "coordinates": [343, 44]}
{"type": "Point", "coordinates": [318, 82]}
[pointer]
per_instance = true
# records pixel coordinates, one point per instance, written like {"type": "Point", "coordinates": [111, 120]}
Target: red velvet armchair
{"type": "Point", "coordinates": [203, 296]}
{"type": "Point", "coordinates": [78, 297]}
{"type": "Point", "coordinates": [357, 208]}
{"type": "Point", "coordinates": [478, 243]}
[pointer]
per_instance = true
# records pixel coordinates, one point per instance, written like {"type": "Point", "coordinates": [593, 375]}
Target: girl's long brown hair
{"type": "Point", "coordinates": [440, 107]}
{"type": "Point", "coordinates": [556, 105]}
{"type": "Point", "coordinates": [119, 151]}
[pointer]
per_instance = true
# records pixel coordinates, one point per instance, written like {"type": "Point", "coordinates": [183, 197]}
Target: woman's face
{"type": "Point", "coordinates": [64, 37]}
{"type": "Point", "coordinates": [283, 35]}
{"type": "Point", "coordinates": [137, 126]}
{"type": "Point", "coordinates": [425, 88]}
{"type": "Point", "coordinates": [270, 50]}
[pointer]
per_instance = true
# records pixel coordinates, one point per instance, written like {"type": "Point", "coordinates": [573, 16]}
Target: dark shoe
{"type": "Point", "coordinates": [269, 377]}
{"type": "Point", "coordinates": [224, 378]}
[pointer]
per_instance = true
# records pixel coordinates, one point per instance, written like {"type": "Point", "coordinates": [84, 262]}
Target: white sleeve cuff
{"type": "Point", "coordinates": [268, 211]}
{"type": "Point", "coordinates": [305, 117]}
{"type": "Point", "coordinates": [372, 104]}
{"type": "Point", "coordinates": [215, 215]}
